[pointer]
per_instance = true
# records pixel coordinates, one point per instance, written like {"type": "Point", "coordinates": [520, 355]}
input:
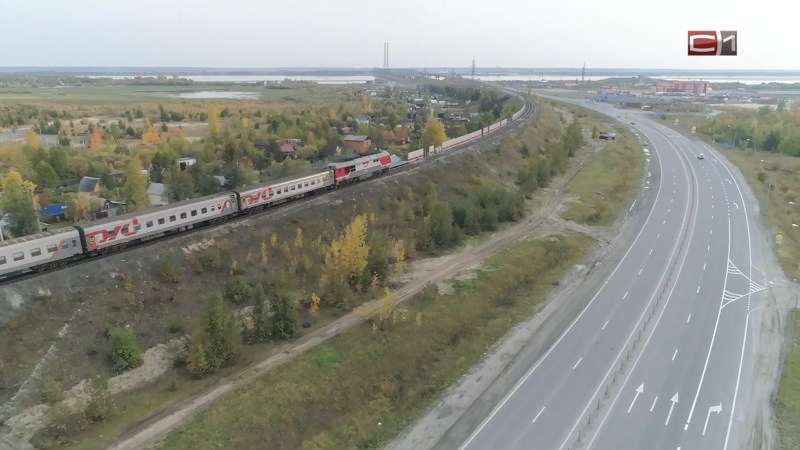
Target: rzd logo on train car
{"type": "Point", "coordinates": [100, 237]}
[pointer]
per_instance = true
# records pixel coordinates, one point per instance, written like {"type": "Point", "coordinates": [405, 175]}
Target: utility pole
{"type": "Point", "coordinates": [36, 210]}
{"type": "Point", "coordinates": [583, 74]}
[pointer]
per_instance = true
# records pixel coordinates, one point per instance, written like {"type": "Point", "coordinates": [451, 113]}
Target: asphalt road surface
{"type": "Point", "coordinates": [659, 356]}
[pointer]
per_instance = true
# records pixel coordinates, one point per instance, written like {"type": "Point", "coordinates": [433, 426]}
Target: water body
{"type": "Point", "coordinates": [335, 79]}
{"type": "Point", "coordinates": [749, 80]}
{"type": "Point", "coordinates": [229, 95]}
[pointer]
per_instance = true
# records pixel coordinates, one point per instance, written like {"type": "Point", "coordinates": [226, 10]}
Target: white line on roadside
{"type": "Point", "coordinates": [576, 364]}
{"type": "Point", "coordinates": [654, 404]}
{"type": "Point", "coordinates": [640, 271]}
{"type": "Point", "coordinates": [651, 251]}
{"type": "Point", "coordinates": [626, 295]}
{"type": "Point", "coordinates": [698, 289]}
{"type": "Point", "coordinates": [704, 266]}
{"type": "Point", "coordinates": [604, 325]}
{"type": "Point", "coordinates": [674, 354]}
{"type": "Point", "coordinates": [689, 318]}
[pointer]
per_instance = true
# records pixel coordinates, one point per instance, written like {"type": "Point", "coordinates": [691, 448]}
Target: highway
{"type": "Point", "coordinates": [658, 357]}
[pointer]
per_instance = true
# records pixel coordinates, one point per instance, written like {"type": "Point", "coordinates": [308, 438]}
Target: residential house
{"type": "Point", "coordinates": [286, 149]}
{"type": "Point", "coordinates": [344, 131]}
{"type": "Point", "coordinates": [220, 179]}
{"type": "Point", "coordinates": [359, 143]}
{"type": "Point", "coordinates": [89, 185]}
{"type": "Point", "coordinates": [158, 194]}
{"type": "Point", "coordinates": [362, 120]}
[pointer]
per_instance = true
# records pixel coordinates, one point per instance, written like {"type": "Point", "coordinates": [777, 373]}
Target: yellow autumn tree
{"type": "Point", "coordinates": [136, 187]}
{"type": "Point", "coordinates": [434, 134]}
{"type": "Point", "coordinates": [298, 239]}
{"type": "Point", "coordinates": [179, 134]}
{"type": "Point", "coordinates": [32, 139]}
{"type": "Point", "coordinates": [245, 122]}
{"type": "Point", "coordinates": [388, 306]}
{"type": "Point", "coordinates": [96, 140]}
{"type": "Point", "coordinates": [150, 136]}
{"type": "Point", "coordinates": [213, 121]}
{"type": "Point", "coordinates": [314, 307]}
{"type": "Point", "coordinates": [345, 262]}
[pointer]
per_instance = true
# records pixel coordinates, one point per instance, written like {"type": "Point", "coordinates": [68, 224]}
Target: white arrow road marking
{"type": "Point", "coordinates": [729, 181]}
{"type": "Point", "coordinates": [717, 409]}
{"type": "Point", "coordinates": [736, 205]}
{"type": "Point", "coordinates": [674, 400]}
{"type": "Point", "coordinates": [639, 390]}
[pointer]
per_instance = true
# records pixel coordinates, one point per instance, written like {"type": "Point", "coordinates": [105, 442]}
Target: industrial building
{"type": "Point", "coordinates": [696, 88]}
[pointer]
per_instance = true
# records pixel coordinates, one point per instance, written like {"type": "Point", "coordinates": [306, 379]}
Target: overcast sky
{"type": "Point", "coordinates": [432, 33]}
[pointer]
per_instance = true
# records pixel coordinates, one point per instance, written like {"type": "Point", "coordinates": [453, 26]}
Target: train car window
{"type": "Point", "coordinates": [172, 218]}
{"type": "Point", "coordinates": [292, 187]}
{"type": "Point", "coordinates": [279, 191]}
{"type": "Point", "coordinates": [149, 224]}
{"type": "Point", "coordinates": [18, 256]}
{"type": "Point", "coordinates": [212, 209]}
{"type": "Point", "coordinates": [125, 229]}
{"type": "Point", "coordinates": [183, 215]}
{"type": "Point", "coordinates": [161, 221]}
{"type": "Point", "coordinates": [137, 227]}
{"type": "Point", "coordinates": [305, 184]}
{"type": "Point", "coordinates": [52, 248]}
{"type": "Point", "coordinates": [2, 260]}
{"type": "Point", "coordinates": [74, 243]}
{"type": "Point", "coordinates": [203, 211]}
{"type": "Point", "coordinates": [36, 252]}
{"type": "Point", "coordinates": [112, 233]}
{"type": "Point", "coordinates": [219, 207]}
{"type": "Point", "coordinates": [299, 185]}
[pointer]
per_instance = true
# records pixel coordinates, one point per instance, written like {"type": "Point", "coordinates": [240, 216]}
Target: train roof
{"type": "Point", "coordinates": [157, 209]}
{"type": "Point", "coordinates": [35, 236]}
{"type": "Point", "coordinates": [289, 178]}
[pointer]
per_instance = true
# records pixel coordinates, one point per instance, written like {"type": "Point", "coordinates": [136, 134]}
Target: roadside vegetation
{"type": "Point", "coordinates": [787, 402]}
{"type": "Point", "coordinates": [607, 185]}
{"type": "Point", "coordinates": [364, 387]}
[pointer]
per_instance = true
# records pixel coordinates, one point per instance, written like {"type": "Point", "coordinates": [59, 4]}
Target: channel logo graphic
{"type": "Point", "coordinates": [712, 43]}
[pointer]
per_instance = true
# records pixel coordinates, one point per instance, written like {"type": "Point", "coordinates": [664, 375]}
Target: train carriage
{"type": "Point", "coordinates": [39, 251]}
{"type": "Point", "coordinates": [279, 191]}
{"type": "Point", "coordinates": [119, 231]}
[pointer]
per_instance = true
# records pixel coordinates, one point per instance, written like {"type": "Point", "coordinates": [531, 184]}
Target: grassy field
{"type": "Point", "coordinates": [608, 183]}
{"type": "Point", "coordinates": [123, 93]}
{"type": "Point", "coordinates": [787, 403]}
{"type": "Point", "coordinates": [364, 387]}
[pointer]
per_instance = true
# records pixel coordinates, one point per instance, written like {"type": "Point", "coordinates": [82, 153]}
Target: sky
{"type": "Point", "coordinates": [421, 33]}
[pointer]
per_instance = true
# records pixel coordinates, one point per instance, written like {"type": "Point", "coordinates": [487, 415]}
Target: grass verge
{"type": "Point", "coordinates": [607, 184]}
{"type": "Point", "coordinates": [366, 386]}
{"type": "Point", "coordinates": [787, 403]}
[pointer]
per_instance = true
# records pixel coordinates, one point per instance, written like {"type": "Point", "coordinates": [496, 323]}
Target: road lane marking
{"type": "Point", "coordinates": [663, 221]}
{"type": "Point", "coordinates": [689, 318]}
{"type": "Point", "coordinates": [540, 413]}
{"type": "Point", "coordinates": [708, 247]}
{"type": "Point", "coordinates": [704, 266]}
{"type": "Point", "coordinates": [651, 251]}
{"type": "Point", "coordinates": [711, 231]}
{"type": "Point", "coordinates": [625, 296]}
{"type": "Point", "coordinates": [674, 400]}
{"type": "Point", "coordinates": [713, 335]}
{"type": "Point", "coordinates": [640, 271]}
{"type": "Point", "coordinates": [712, 217]}
{"type": "Point", "coordinates": [604, 325]}
{"type": "Point", "coordinates": [674, 354]}
{"type": "Point", "coordinates": [576, 364]}
{"type": "Point", "coordinates": [634, 204]}
{"type": "Point", "coordinates": [712, 206]}
{"type": "Point", "coordinates": [717, 409]}
{"type": "Point", "coordinates": [654, 404]}
{"type": "Point", "coordinates": [668, 210]}
{"type": "Point", "coordinates": [698, 289]}
{"type": "Point", "coordinates": [639, 390]}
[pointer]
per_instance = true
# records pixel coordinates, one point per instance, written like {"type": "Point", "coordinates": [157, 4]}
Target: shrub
{"type": "Point", "coordinates": [212, 258]}
{"type": "Point", "coordinates": [168, 271]}
{"type": "Point", "coordinates": [125, 352]}
{"type": "Point", "coordinates": [100, 405]}
{"type": "Point", "coordinates": [762, 176]}
{"type": "Point", "coordinates": [52, 391]}
{"type": "Point", "coordinates": [240, 291]}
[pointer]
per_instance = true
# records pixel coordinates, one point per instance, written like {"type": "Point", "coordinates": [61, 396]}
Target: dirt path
{"type": "Point", "coordinates": [425, 272]}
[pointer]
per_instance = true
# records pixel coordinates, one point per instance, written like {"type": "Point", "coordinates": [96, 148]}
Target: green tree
{"type": "Point", "coordinates": [284, 325]}
{"type": "Point", "coordinates": [433, 134]}
{"type": "Point", "coordinates": [45, 175]}
{"type": "Point", "coordinates": [440, 224]}
{"type": "Point", "coordinates": [220, 328]}
{"type": "Point", "coordinates": [181, 185]}
{"type": "Point", "coordinates": [125, 352]}
{"type": "Point", "coordinates": [136, 187]}
{"type": "Point", "coordinates": [197, 363]}
{"type": "Point", "coordinates": [20, 204]}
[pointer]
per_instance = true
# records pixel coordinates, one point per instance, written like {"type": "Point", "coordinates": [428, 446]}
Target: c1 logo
{"type": "Point", "coordinates": [712, 43]}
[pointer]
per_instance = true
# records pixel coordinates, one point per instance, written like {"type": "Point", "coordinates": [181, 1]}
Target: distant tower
{"type": "Point", "coordinates": [473, 67]}
{"type": "Point", "coordinates": [385, 55]}
{"type": "Point", "coordinates": [583, 75]}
